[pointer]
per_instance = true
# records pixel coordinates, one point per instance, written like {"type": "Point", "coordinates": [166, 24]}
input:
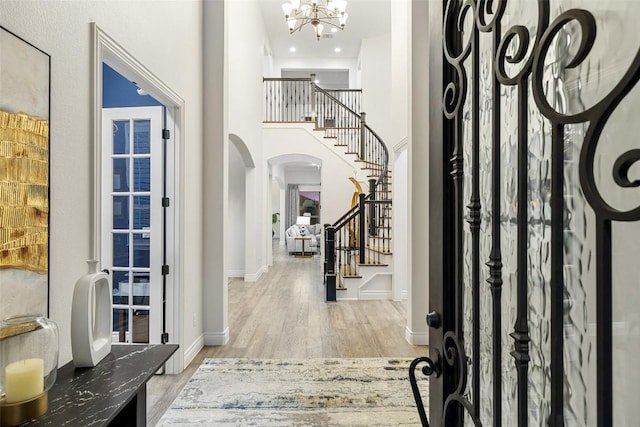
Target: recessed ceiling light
{"type": "Point", "coordinates": [292, 49]}
{"type": "Point", "coordinates": [334, 30]}
{"type": "Point", "coordinates": [337, 50]}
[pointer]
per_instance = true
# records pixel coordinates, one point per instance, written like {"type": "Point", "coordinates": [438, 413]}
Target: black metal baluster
{"type": "Point", "coordinates": [495, 258]}
{"type": "Point", "coordinates": [521, 327]}
{"type": "Point", "coordinates": [604, 316]}
{"type": "Point", "coordinates": [474, 221]}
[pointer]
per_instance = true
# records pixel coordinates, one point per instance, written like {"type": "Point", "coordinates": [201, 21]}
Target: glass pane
{"type": "Point", "coordinates": [142, 175]}
{"type": "Point", "coordinates": [141, 288]}
{"type": "Point", "coordinates": [120, 324]}
{"type": "Point", "coordinates": [141, 136]}
{"type": "Point", "coordinates": [120, 287]}
{"type": "Point", "coordinates": [120, 250]}
{"type": "Point", "coordinates": [120, 175]}
{"type": "Point", "coordinates": [121, 137]}
{"type": "Point", "coordinates": [141, 212]}
{"type": "Point", "coordinates": [121, 212]}
{"type": "Point", "coordinates": [141, 250]}
{"type": "Point", "coordinates": [310, 205]}
{"type": "Point", "coordinates": [140, 326]}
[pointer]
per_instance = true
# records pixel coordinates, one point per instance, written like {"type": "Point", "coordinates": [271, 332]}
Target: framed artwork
{"type": "Point", "coordinates": [24, 177]}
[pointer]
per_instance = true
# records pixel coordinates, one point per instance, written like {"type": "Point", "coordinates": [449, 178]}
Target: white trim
{"type": "Point", "coordinates": [404, 295]}
{"type": "Point", "coordinates": [193, 350]}
{"type": "Point", "coordinates": [235, 274]}
{"type": "Point", "coordinates": [107, 50]}
{"type": "Point", "coordinates": [216, 338]}
{"type": "Point", "coordinates": [401, 145]}
{"type": "Point", "coordinates": [375, 295]}
{"type": "Point", "coordinates": [416, 338]}
{"type": "Point", "coordinates": [255, 276]}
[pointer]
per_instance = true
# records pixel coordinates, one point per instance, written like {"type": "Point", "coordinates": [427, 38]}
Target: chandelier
{"type": "Point", "coordinates": [318, 13]}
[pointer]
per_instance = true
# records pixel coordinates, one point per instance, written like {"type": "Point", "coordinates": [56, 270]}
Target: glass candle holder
{"type": "Point", "coordinates": [28, 367]}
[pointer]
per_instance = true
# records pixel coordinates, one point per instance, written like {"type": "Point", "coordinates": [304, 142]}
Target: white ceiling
{"type": "Point", "coordinates": [367, 18]}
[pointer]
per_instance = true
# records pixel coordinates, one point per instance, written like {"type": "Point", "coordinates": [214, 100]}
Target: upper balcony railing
{"type": "Point", "coordinates": [296, 100]}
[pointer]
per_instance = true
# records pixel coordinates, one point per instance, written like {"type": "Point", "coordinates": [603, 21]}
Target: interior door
{"type": "Point", "coordinates": [133, 232]}
{"type": "Point", "coordinates": [536, 320]}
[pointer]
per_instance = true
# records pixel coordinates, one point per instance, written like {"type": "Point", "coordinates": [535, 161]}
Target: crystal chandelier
{"type": "Point", "coordinates": [318, 13]}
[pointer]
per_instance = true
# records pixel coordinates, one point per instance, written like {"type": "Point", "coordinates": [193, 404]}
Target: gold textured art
{"type": "Point", "coordinates": [24, 192]}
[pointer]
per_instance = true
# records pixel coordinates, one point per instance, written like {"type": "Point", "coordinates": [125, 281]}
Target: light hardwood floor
{"type": "Point", "coordinates": [284, 315]}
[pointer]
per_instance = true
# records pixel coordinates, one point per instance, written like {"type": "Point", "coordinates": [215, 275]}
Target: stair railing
{"type": "Point", "coordinates": [362, 235]}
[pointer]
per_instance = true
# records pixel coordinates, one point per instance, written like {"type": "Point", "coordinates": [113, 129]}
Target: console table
{"type": "Point", "coordinates": [114, 393]}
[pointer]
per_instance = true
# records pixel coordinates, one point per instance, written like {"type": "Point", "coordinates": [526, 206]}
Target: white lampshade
{"type": "Point", "coordinates": [343, 18]}
{"type": "Point", "coordinates": [319, 29]}
{"type": "Point", "coordinates": [291, 22]}
{"type": "Point", "coordinates": [295, 4]}
{"type": "Point", "coordinates": [303, 220]}
{"type": "Point", "coordinates": [287, 8]}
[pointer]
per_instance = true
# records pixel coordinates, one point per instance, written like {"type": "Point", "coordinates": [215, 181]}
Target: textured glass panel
{"type": "Point", "coordinates": [120, 250]}
{"type": "Point", "coordinates": [486, 196]}
{"type": "Point", "coordinates": [509, 239]}
{"type": "Point", "coordinates": [141, 136]}
{"type": "Point", "coordinates": [120, 175]}
{"type": "Point", "coordinates": [121, 212]}
{"type": "Point", "coordinates": [467, 239]}
{"type": "Point", "coordinates": [121, 137]}
{"type": "Point", "coordinates": [539, 265]}
{"type": "Point", "coordinates": [142, 175]}
{"type": "Point", "coordinates": [141, 212]}
{"type": "Point", "coordinates": [120, 287]}
{"type": "Point", "coordinates": [141, 250]}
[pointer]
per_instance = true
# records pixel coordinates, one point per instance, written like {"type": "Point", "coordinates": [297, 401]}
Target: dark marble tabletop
{"type": "Point", "coordinates": [94, 396]}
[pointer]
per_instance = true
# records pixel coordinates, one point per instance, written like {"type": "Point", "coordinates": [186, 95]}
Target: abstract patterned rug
{"type": "Point", "coordinates": [298, 392]}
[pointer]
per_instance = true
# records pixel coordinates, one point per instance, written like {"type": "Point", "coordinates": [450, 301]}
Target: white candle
{"type": "Point", "coordinates": [24, 380]}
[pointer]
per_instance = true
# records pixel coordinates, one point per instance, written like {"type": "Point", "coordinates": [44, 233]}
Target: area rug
{"type": "Point", "coordinates": [298, 392]}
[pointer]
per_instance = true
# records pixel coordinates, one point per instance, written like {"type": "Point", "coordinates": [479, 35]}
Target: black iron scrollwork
{"type": "Point", "coordinates": [430, 368]}
{"type": "Point", "coordinates": [621, 168]}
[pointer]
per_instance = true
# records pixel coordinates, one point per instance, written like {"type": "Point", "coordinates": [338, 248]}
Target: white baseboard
{"type": "Point", "coordinates": [192, 351]}
{"type": "Point", "coordinates": [404, 295]}
{"type": "Point", "coordinates": [216, 338]}
{"type": "Point", "coordinates": [375, 295]}
{"type": "Point", "coordinates": [255, 276]}
{"type": "Point", "coordinates": [236, 273]}
{"type": "Point", "coordinates": [416, 338]}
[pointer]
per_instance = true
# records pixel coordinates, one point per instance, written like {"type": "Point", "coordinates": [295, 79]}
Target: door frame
{"type": "Point", "coordinates": [107, 50]}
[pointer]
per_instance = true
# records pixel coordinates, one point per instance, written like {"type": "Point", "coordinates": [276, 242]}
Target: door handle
{"type": "Point", "coordinates": [434, 320]}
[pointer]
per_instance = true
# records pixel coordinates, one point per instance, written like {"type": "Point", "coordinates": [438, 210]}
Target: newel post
{"type": "Point", "coordinates": [372, 207]}
{"type": "Point", "coordinates": [363, 122]}
{"type": "Point", "coordinates": [312, 100]}
{"type": "Point", "coordinates": [330, 261]}
{"type": "Point", "coordinates": [362, 230]}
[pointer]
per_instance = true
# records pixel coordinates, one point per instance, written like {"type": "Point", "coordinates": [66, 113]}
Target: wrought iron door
{"type": "Point", "coordinates": [540, 321]}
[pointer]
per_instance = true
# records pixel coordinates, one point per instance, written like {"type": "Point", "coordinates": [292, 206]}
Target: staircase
{"type": "Point", "coordinates": [357, 247]}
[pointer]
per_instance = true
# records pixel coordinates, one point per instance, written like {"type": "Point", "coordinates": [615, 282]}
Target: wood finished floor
{"type": "Point", "coordinates": [284, 315]}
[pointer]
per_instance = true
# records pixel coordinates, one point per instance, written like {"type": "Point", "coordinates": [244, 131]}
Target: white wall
{"type": "Point", "coordinates": [318, 63]}
{"type": "Point", "coordinates": [247, 43]}
{"type": "Point", "coordinates": [336, 190]}
{"type": "Point", "coordinates": [236, 226]}
{"type": "Point", "coordinates": [400, 225]}
{"type": "Point", "coordinates": [61, 28]}
{"type": "Point", "coordinates": [375, 54]}
{"type": "Point", "coordinates": [303, 175]}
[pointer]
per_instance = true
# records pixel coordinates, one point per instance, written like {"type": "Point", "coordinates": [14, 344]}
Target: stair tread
{"type": "Point", "coordinates": [379, 251]}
